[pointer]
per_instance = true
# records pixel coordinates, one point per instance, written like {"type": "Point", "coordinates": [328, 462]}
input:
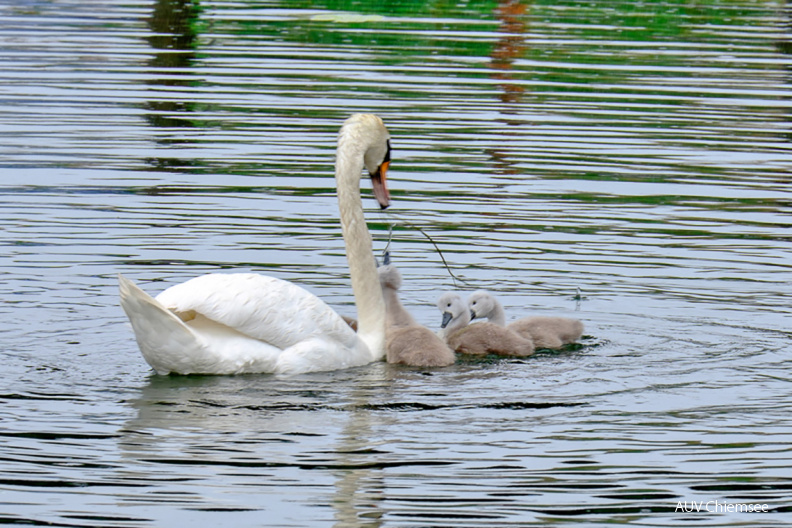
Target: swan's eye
{"type": "Point", "coordinates": [474, 303]}
{"type": "Point", "coordinates": [448, 305]}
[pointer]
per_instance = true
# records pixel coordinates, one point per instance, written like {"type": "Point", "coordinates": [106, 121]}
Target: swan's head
{"type": "Point", "coordinates": [481, 304]}
{"type": "Point", "coordinates": [377, 161]}
{"type": "Point", "coordinates": [389, 277]}
{"type": "Point", "coordinates": [455, 313]}
{"type": "Point", "coordinates": [369, 132]}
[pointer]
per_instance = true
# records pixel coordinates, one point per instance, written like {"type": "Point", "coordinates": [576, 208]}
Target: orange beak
{"type": "Point", "coordinates": [379, 182]}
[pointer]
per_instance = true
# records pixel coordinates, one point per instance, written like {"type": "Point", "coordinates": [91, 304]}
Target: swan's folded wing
{"type": "Point", "coordinates": [265, 308]}
{"type": "Point", "coordinates": [162, 337]}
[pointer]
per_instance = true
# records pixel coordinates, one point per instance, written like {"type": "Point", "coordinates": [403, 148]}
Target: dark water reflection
{"type": "Point", "coordinates": [174, 35]}
{"type": "Point", "coordinates": [637, 151]}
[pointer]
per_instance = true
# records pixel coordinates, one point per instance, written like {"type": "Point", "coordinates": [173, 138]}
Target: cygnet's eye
{"type": "Point", "coordinates": [474, 303]}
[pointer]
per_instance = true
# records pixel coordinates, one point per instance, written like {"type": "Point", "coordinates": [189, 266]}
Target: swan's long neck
{"type": "Point", "coordinates": [360, 256]}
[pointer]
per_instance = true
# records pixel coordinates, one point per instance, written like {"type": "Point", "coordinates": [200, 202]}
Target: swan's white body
{"type": "Point", "coordinates": [249, 323]}
{"type": "Point", "coordinates": [240, 323]}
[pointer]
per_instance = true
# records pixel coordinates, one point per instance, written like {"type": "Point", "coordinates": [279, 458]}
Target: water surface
{"type": "Point", "coordinates": [638, 152]}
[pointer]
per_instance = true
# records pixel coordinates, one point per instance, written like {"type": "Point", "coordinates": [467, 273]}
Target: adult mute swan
{"type": "Point", "coordinates": [406, 341]}
{"type": "Point", "coordinates": [250, 323]}
{"type": "Point", "coordinates": [480, 338]}
{"type": "Point", "coordinates": [546, 332]}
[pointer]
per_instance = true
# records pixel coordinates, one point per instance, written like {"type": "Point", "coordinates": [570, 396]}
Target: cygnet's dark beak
{"type": "Point", "coordinates": [386, 258]}
{"type": "Point", "coordinates": [473, 314]}
{"type": "Point", "coordinates": [446, 319]}
{"type": "Point", "coordinates": [379, 183]}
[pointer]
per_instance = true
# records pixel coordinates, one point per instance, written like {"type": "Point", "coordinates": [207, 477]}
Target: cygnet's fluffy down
{"type": "Point", "coordinates": [406, 341]}
{"type": "Point", "coordinates": [549, 332]}
{"type": "Point", "coordinates": [546, 332]}
{"type": "Point", "coordinates": [480, 338]}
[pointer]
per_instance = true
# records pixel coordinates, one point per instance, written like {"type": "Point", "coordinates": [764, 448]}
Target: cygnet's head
{"type": "Point", "coordinates": [389, 277]}
{"type": "Point", "coordinates": [455, 313]}
{"type": "Point", "coordinates": [481, 304]}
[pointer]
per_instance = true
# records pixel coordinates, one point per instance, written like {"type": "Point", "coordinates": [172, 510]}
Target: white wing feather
{"type": "Point", "coordinates": [265, 308]}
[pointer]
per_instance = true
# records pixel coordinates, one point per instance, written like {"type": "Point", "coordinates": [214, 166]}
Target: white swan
{"type": "Point", "coordinates": [249, 323]}
{"type": "Point", "coordinates": [480, 338]}
{"type": "Point", "coordinates": [546, 332]}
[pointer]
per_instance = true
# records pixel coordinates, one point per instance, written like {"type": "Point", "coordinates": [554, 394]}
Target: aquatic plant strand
{"type": "Point", "coordinates": [409, 224]}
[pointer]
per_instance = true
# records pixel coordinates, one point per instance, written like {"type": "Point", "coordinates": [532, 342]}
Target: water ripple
{"type": "Point", "coordinates": [625, 164]}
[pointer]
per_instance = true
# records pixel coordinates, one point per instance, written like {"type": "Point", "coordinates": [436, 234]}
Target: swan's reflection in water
{"type": "Point", "coordinates": [359, 487]}
{"type": "Point", "coordinates": [257, 434]}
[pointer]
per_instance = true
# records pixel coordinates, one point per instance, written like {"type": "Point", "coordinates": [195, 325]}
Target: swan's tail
{"type": "Point", "coordinates": [163, 338]}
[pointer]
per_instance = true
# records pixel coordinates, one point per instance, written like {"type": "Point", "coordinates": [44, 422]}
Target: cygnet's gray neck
{"type": "Point", "coordinates": [458, 322]}
{"type": "Point", "coordinates": [397, 315]}
{"type": "Point", "coordinates": [497, 315]}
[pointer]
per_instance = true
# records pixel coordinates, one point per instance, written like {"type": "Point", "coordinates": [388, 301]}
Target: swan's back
{"type": "Point", "coordinates": [268, 309]}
